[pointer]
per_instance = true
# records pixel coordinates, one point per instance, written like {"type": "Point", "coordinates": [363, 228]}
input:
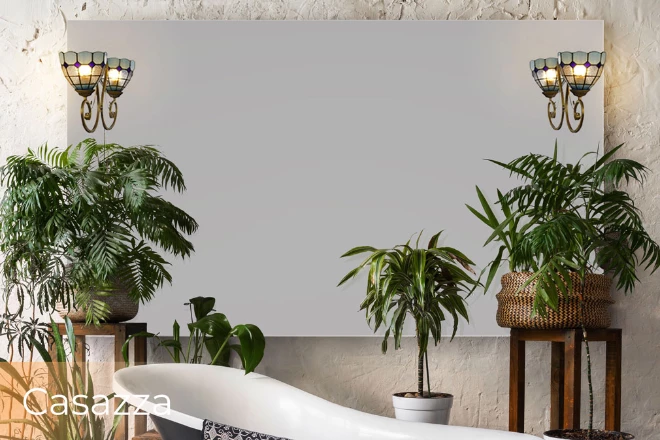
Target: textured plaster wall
{"type": "Point", "coordinates": [352, 372]}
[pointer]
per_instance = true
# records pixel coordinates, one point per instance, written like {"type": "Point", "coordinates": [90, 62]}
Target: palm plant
{"type": "Point", "coordinates": [64, 377]}
{"type": "Point", "coordinates": [210, 331]}
{"type": "Point", "coordinates": [427, 284]}
{"type": "Point", "coordinates": [76, 223]}
{"type": "Point", "coordinates": [570, 218]}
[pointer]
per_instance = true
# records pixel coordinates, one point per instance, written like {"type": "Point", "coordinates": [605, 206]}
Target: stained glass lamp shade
{"type": "Point", "coordinates": [83, 70]}
{"type": "Point", "coordinates": [581, 70]}
{"type": "Point", "coordinates": [120, 72]}
{"type": "Point", "coordinates": [546, 74]}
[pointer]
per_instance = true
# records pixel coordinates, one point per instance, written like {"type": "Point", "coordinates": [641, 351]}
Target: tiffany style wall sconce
{"type": "Point", "coordinates": [574, 72]}
{"type": "Point", "coordinates": [84, 71]}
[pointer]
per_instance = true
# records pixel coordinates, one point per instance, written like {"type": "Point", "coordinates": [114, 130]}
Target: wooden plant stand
{"type": "Point", "coordinates": [120, 332]}
{"type": "Point", "coordinates": [566, 375]}
{"type": "Point", "coordinates": [149, 435]}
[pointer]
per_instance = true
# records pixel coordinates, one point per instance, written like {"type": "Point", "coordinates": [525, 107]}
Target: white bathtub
{"type": "Point", "coordinates": [259, 403]}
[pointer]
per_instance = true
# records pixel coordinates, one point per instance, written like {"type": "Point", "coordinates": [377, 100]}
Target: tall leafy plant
{"type": "Point", "coordinates": [569, 218]}
{"type": "Point", "coordinates": [428, 285]}
{"type": "Point", "coordinates": [84, 220]}
{"type": "Point", "coordinates": [65, 377]}
{"type": "Point", "coordinates": [210, 332]}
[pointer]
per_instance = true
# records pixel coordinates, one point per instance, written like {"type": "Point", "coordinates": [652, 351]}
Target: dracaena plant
{"type": "Point", "coordinates": [428, 284]}
{"type": "Point", "coordinates": [82, 220]}
{"type": "Point", "coordinates": [210, 332]}
{"type": "Point", "coordinates": [569, 218]}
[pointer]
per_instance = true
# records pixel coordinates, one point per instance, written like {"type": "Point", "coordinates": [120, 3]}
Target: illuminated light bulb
{"type": "Point", "coordinates": [551, 77]}
{"type": "Point", "coordinates": [85, 70]}
{"type": "Point", "coordinates": [113, 77]}
{"type": "Point", "coordinates": [580, 70]}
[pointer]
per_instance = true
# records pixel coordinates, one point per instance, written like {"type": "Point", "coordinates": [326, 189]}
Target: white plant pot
{"type": "Point", "coordinates": [555, 435]}
{"type": "Point", "coordinates": [423, 409]}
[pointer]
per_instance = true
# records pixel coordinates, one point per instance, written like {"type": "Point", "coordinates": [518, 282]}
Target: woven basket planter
{"type": "Point", "coordinates": [122, 308]}
{"type": "Point", "coordinates": [514, 308]}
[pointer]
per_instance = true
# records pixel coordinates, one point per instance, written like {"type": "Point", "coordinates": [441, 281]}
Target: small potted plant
{"type": "Point", "coordinates": [429, 285]}
{"type": "Point", "coordinates": [81, 227]}
{"type": "Point", "coordinates": [566, 231]}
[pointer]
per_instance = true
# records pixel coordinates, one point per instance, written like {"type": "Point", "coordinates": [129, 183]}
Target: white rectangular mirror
{"type": "Point", "coordinates": [299, 140]}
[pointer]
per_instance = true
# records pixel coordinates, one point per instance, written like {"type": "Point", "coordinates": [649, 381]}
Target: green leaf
{"type": "Point", "coordinates": [176, 331]}
{"type": "Point", "coordinates": [71, 338]}
{"type": "Point", "coordinates": [498, 231]}
{"type": "Point", "coordinates": [350, 275]}
{"type": "Point", "coordinates": [171, 343]}
{"type": "Point", "coordinates": [253, 345]}
{"type": "Point", "coordinates": [202, 306]}
{"type": "Point", "coordinates": [383, 345]}
{"type": "Point", "coordinates": [494, 266]}
{"type": "Point", "coordinates": [482, 217]}
{"type": "Point", "coordinates": [57, 341]}
{"type": "Point", "coordinates": [125, 345]}
{"type": "Point", "coordinates": [358, 250]}
{"type": "Point", "coordinates": [434, 240]}
{"type": "Point", "coordinates": [486, 207]}
{"type": "Point", "coordinates": [215, 325]}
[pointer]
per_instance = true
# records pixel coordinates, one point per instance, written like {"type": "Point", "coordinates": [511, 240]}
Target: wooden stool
{"type": "Point", "coordinates": [120, 331]}
{"type": "Point", "coordinates": [566, 374]}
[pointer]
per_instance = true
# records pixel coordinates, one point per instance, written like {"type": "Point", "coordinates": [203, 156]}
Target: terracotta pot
{"type": "Point", "coordinates": [514, 308]}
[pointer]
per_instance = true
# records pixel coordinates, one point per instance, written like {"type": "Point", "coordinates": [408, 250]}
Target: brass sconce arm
{"type": "Point", "coordinates": [97, 104]}
{"type": "Point", "coordinates": [577, 110]}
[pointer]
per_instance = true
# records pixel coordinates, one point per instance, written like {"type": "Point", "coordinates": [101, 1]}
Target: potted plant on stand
{"type": "Point", "coordinates": [564, 227]}
{"type": "Point", "coordinates": [80, 228]}
{"type": "Point", "coordinates": [428, 285]}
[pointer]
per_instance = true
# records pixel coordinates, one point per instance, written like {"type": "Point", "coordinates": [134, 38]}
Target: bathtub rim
{"type": "Point", "coordinates": [352, 415]}
{"type": "Point", "coordinates": [148, 406]}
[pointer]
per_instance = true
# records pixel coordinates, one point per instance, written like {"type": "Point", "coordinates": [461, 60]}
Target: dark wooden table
{"type": "Point", "coordinates": [566, 375]}
{"type": "Point", "coordinates": [120, 332]}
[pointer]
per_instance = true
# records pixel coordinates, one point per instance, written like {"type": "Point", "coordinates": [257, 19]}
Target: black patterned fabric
{"type": "Point", "coordinates": [218, 431]}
